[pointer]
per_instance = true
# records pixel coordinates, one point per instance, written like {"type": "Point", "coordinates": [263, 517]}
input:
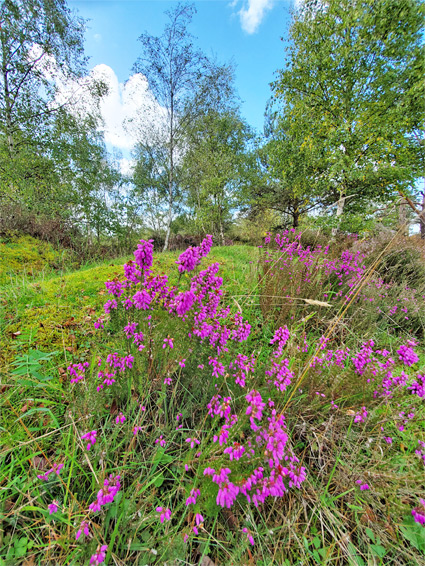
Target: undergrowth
{"type": "Point", "coordinates": [216, 411]}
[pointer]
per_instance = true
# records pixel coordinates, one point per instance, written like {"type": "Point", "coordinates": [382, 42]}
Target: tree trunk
{"type": "Point", "coordinates": [295, 219]}
{"type": "Point", "coordinates": [402, 219]}
{"type": "Point", "coordinates": [170, 175]}
{"type": "Point", "coordinates": [422, 216]}
{"type": "Point", "coordinates": [170, 217]}
{"type": "Point", "coordinates": [221, 232]}
{"type": "Point", "coordinates": [339, 211]}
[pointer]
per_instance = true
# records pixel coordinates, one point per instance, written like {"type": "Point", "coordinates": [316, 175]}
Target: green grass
{"type": "Point", "coordinates": [47, 323]}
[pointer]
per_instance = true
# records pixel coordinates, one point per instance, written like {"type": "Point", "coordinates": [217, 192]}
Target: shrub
{"type": "Point", "coordinates": [196, 432]}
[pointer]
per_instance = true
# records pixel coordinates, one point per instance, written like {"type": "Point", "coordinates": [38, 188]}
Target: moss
{"type": "Point", "coordinates": [57, 312]}
{"type": "Point", "coordinates": [28, 256]}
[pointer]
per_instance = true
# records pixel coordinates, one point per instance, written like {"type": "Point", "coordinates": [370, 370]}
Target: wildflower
{"type": "Point", "coordinates": [165, 513]}
{"type": "Point", "coordinates": [120, 418]}
{"type": "Point", "coordinates": [198, 520]}
{"type": "Point", "coordinates": [161, 441]}
{"type": "Point", "coordinates": [53, 507]}
{"type": "Point", "coordinates": [361, 415]}
{"type": "Point", "coordinates": [227, 494]}
{"type": "Point", "coordinates": [363, 486]}
{"type": "Point", "coordinates": [84, 528]}
{"type": "Point", "coordinates": [249, 536]}
{"type": "Point", "coordinates": [192, 441]}
{"type": "Point", "coordinates": [142, 300]}
{"type": "Point", "coordinates": [91, 437]}
{"type": "Point", "coordinates": [168, 381]}
{"type": "Point", "coordinates": [56, 469]}
{"type": "Point", "coordinates": [144, 254]}
{"type": "Point", "coordinates": [111, 487]}
{"type": "Point", "coordinates": [136, 429]}
{"type": "Point", "coordinates": [99, 555]}
{"type": "Point", "coordinates": [77, 371]}
{"type": "Point", "coordinates": [419, 512]}
{"type": "Point", "coordinates": [168, 342]}
{"type": "Point", "coordinates": [194, 494]}
{"type": "Point", "coordinates": [406, 353]}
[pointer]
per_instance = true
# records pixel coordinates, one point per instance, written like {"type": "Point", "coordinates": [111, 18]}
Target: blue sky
{"type": "Point", "coordinates": [247, 32]}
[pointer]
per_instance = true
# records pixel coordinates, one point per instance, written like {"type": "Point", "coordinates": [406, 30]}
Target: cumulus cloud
{"type": "Point", "coordinates": [252, 13]}
{"type": "Point", "coordinates": [129, 111]}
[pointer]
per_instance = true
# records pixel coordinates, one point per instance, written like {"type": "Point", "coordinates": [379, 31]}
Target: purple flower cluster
{"type": "Point", "coordinates": [407, 354]}
{"type": "Point", "coordinates": [76, 371]}
{"type": "Point", "coordinates": [111, 487]}
{"type": "Point", "coordinates": [164, 513]}
{"type": "Point", "coordinates": [144, 254]}
{"type": "Point", "coordinates": [56, 470]}
{"type": "Point", "coordinates": [84, 528]}
{"type": "Point", "coordinates": [419, 512]}
{"type": "Point", "coordinates": [191, 257]}
{"type": "Point", "coordinates": [91, 437]}
{"type": "Point", "coordinates": [99, 555]}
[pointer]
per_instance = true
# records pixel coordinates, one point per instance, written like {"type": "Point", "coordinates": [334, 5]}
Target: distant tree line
{"type": "Point", "coordinates": [343, 137]}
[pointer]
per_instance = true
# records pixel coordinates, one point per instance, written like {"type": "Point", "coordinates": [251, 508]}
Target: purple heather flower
{"type": "Point", "coordinates": [249, 536]}
{"type": "Point", "coordinates": [194, 494]}
{"type": "Point", "coordinates": [99, 555]}
{"type": "Point", "coordinates": [84, 528]}
{"type": "Point", "coordinates": [144, 254]}
{"type": "Point", "coordinates": [192, 441]}
{"type": "Point", "coordinates": [111, 487]}
{"type": "Point", "coordinates": [406, 353]}
{"type": "Point", "coordinates": [165, 513]}
{"type": "Point", "coordinates": [363, 486]}
{"type": "Point", "coordinates": [419, 512]}
{"type": "Point", "coordinates": [91, 437]}
{"type": "Point", "coordinates": [53, 507]}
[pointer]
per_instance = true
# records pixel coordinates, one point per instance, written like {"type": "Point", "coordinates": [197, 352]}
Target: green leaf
{"type": "Point", "coordinates": [159, 481]}
{"type": "Point", "coordinates": [378, 550]}
{"type": "Point", "coordinates": [414, 533]}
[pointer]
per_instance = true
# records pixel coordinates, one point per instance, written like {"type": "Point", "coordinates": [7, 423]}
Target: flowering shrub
{"type": "Point", "coordinates": [293, 280]}
{"type": "Point", "coordinates": [238, 419]}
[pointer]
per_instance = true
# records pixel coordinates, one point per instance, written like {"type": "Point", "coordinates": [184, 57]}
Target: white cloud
{"type": "Point", "coordinates": [128, 111]}
{"type": "Point", "coordinates": [253, 12]}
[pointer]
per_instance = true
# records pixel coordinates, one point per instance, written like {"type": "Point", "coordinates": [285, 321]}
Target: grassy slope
{"type": "Point", "coordinates": [52, 311]}
{"type": "Point", "coordinates": [55, 312]}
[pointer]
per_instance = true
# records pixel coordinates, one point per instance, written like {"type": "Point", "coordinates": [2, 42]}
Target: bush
{"type": "Point", "coordinates": [195, 428]}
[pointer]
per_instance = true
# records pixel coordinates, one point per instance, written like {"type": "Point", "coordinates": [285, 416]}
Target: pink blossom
{"type": "Point", "coordinates": [99, 555]}
{"type": "Point", "coordinates": [165, 513]}
{"type": "Point", "coordinates": [91, 437]}
{"type": "Point", "coordinates": [53, 507]}
{"type": "Point", "coordinates": [192, 441]}
{"type": "Point", "coordinates": [84, 528]}
{"type": "Point", "coordinates": [249, 536]}
{"type": "Point", "coordinates": [419, 512]}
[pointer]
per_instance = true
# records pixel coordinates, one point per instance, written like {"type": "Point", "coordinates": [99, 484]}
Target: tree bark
{"type": "Point", "coordinates": [170, 175]}
{"type": "Point", "coordinates": [402, 219]}
{"type": "Point", "coordinates": [339, 211]}
{"type": "Point", "coordinates": [422, 216]}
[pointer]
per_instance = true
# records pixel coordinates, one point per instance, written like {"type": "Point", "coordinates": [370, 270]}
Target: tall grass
{"type": "Point", "coordinates": [265, 361]}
